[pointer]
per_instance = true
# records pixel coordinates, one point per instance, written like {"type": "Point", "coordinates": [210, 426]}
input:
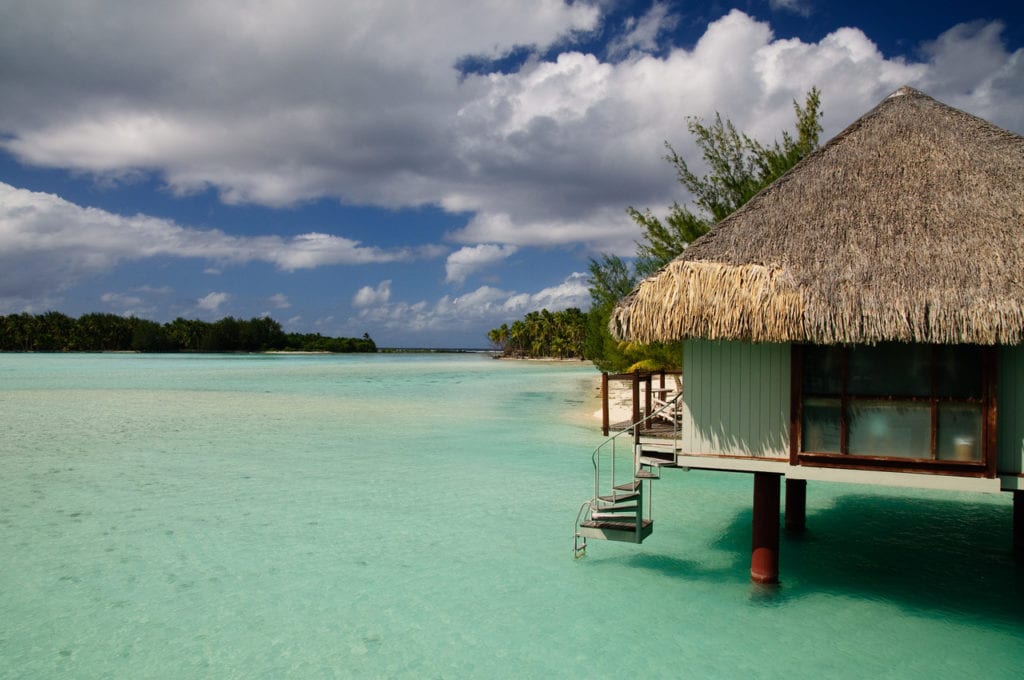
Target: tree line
{"type": "Point", "coordinates": [559, 335]}
{"type": "Point", "coordinates": [738, 168]}
{"type": "Point", "coordinates": [96, 332]}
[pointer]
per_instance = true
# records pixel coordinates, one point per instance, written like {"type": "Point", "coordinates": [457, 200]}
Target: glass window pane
{"type": "Point", "coordinates": [890, 428]}
{"type": "Point", "coordinates": [891, 369]}
{"type": "Point", "coordinates": [820, 428]}
{"type": "Point", "coordinates": [822, 370]}
{"type": "Point", "coordinates": [960, 371]}
{"type": "Point", "coordinates": [959, 435]}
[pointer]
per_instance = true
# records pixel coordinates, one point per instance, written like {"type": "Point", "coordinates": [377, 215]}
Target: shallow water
{"type": "Point", "coordinates": [410, 516]}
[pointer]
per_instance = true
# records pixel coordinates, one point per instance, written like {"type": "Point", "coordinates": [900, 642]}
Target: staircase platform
{"type": "Point", "coordinates": [611, 530]}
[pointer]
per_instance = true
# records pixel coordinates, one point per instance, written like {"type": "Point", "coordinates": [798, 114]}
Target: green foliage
{"type": "Point", "coordinates": [314, 342]}
{"type": "Point", "coordinates": [186, 333]}
{"type": "Point", "coordinates": [658, 356]}
{"type": "Point", "coordinates": [149, 336]}
{"type": "Point", "coordinates": [56, 332]}
{"type": "Point", "coordinates": [739, 167]}
{"type": "Point", "coordinates": [600, 347]}
{"type": "Point", "coordinates": [103, 332]}
{"type": "Point", "coordinates": [543, 334]}
{"type": "Point", "coordinates": [610, 281]}
{"type": "Point", "coordinates": [664, 241]}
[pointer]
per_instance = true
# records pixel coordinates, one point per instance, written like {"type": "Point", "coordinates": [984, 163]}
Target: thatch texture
{"type": "Point", "coordinates": [907, 226]}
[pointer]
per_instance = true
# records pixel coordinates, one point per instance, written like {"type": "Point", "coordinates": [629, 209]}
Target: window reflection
{"type": "Point", "coordinates": [899, 430]}
{"type": "Point", "coordinates": [894, 400]}
{"type": "Point", "coordinates": [959, 434]}
{"type": "Point", "coordinates": [959, 372]}
{"type": "Point", "coordinates": [891, 370]}
{"type": "Point", "coordinates": [821, 426]}
{"type": "Point", "coordinates": [822, 372]}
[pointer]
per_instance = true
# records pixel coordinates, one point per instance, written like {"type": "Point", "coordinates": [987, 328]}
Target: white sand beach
{"type": "Point", "coordinates": [620, 400]}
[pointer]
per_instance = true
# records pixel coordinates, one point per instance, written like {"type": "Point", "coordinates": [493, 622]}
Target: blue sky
{"type": "Point", "coordinates": [421, 172]}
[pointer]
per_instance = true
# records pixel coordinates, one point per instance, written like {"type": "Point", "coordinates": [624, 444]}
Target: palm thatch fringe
{"type": "Point", "coordinates": [760, 304]}
{"type": "Point", "coordinates": [714, 301]}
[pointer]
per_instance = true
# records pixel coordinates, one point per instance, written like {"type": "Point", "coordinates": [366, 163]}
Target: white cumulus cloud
{"type": "Point", "coordinates": [279, 301]}
{"type": "Point", "coordinates": [642, 34]}
{"type": "Point", "coordinates": [368, 296]}
{"type": "Point", "coordinates": [212, 301]}
{"type": "Point", "coordinates": [469, 259]}
{"type": "Point", "coordinates": [801, 7]}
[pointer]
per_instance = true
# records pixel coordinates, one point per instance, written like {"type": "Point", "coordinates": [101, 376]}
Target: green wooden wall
{"type": "Point", "coordinates": [736, 399]}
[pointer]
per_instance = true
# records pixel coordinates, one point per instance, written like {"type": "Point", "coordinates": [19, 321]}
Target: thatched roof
{"type": "Point", "coordinates": [908, 226]}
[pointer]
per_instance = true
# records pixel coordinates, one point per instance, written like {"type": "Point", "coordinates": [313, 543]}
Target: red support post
{"type": "Point", "coordinates": [1018, 522]}
{"type": "Point", "coordinates": [764, 556]}
{"type": "Point", "coordinates": [796, 504]}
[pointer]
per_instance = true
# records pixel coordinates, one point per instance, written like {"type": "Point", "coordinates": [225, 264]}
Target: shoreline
{"type": "Point", "coordinates": [546, 360]}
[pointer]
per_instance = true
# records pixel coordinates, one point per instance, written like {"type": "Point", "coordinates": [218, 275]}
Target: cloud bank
{"type": "Point", "coordinates": [364, 102]}
{"type": "Point", "coordinates": [50, 242]}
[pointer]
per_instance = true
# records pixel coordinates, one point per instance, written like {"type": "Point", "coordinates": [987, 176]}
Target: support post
{"type": "Point", "coordinates": [1018, 522]}
{"type": "Point", "coordinates": [764, 556]}
{"type": "Point", "coordinates": [647, 396]}
{"type": "Point", "coordinates": [796, 504]}
{"type": "Point", "coordinates": [605, 425]}
{"type": "Point", "coordinates": [636, 397]}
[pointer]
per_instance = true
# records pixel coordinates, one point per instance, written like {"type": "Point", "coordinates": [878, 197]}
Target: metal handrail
{"type": "Point", "coordinates": [595, 458]}
{"type": "Point", "coordinates": [634, 428]}
{"type": "Point", "coordinates": [578, 548]}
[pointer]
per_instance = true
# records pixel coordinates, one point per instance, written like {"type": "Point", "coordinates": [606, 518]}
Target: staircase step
{"type": "Point", "coordinates": [612, 517]}
{"type": "Point", "coordinates": [619, 498]}
{"type": "Point", "coordinates": [628, 486]}
{"type": "Point", "coordinates": [646, 474]}
{"type": "Point", "coordinates": [617, 508]}
{"type": "Point", "coordinates": [617, 524]}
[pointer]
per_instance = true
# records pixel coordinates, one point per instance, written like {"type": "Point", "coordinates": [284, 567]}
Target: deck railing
{"type": "Point", "coordinates": [643, 391]}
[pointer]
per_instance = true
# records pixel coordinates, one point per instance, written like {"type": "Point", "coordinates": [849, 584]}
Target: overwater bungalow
{"type": "Point", "coordinates": [860, 320]}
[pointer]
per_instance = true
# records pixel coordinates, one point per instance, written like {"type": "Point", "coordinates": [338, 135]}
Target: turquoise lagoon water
{"type": "Point", "coordinates": [411, 516]}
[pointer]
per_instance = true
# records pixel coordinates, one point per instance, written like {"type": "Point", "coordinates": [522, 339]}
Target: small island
{"type": "Point", "coordinates": [96, 332]}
